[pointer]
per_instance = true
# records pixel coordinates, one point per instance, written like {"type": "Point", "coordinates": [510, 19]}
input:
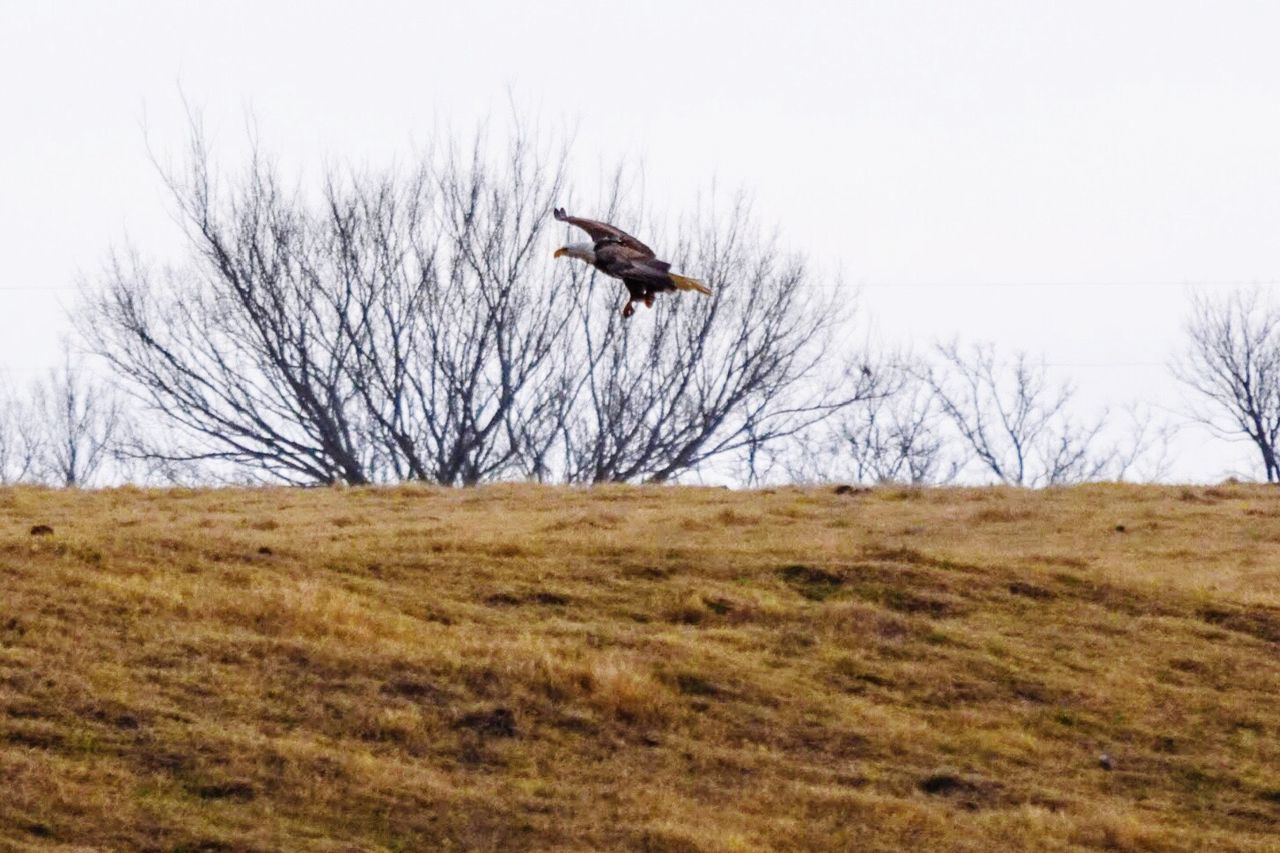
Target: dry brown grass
{"type": "Point", "coordinates": [675, 669]}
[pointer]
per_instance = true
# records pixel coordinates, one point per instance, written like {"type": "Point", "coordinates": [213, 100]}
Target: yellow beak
{"type": "Point", "coordinates": [560, 253]}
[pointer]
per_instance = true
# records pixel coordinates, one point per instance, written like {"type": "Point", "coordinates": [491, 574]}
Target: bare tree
{"type": "Point", "coordinates": [237, 351]}
{"type": "Point", "coordinates": [897, 435]}
{"type": "Point", "coordinates": [19, 439]}
{"type": "Point", "coordinates": [897, 438]}
{"type": "Point", "coordinates": [701, 379]}
{"type": "Point", "coordinates": [387, 331]}
{"type": "Point", "coordinates": [79, 420]}
{"type": "Point", "coordinates": [1016, 424]}
{"type": "Point", "coordinates": [1144, 452]}
{"type": "Point", "coordinates": [1232, 362]}
{"type": "Point", "coordinates": [454, 326]}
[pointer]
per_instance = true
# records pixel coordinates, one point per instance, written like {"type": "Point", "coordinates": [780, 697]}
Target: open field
{"type": "Point", "coordinates": [520, 667]}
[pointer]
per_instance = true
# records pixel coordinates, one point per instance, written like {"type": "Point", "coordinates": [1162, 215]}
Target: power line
{"type": "Point", "coordinates": [1074, 365]}
{"type": "Point", "coordinates": [1105, 364]}
{"type": "Point", "coordinates": [1072, 284]}
{"type": "Point", "coordinates": [907, 285]}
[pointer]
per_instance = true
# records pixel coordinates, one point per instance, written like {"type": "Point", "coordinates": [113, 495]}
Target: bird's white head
{"type": "Point", "coordinates": [581, 251]}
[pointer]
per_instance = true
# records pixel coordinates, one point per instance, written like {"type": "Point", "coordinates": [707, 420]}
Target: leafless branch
{"type": "Point", "coordinates": [1232, 363]}
{"type": "Point", "coordinates": [79, 420]}
{"type": "Point", "coordinates": [1015, 423]}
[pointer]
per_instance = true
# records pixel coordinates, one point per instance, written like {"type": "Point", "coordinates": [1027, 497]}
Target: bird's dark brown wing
{"type": "Point", "coordinates": [622, 261]}
{"type": "Point", "coordinates": [599, 231]}
{"type": "Point", "coordinates": [640, 274]}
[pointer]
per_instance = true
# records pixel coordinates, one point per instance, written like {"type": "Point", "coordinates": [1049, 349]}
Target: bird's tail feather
{"type": "Point", "coordinates": [685, 283]}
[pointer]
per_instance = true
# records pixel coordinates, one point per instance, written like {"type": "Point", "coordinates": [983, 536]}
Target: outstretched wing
{"type": "Point", "coordinates": [603, 231]}
{"type": "Point", "coordinates": [622, 261]}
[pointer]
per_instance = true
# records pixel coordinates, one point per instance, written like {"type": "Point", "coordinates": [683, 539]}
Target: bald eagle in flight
{"type": "Point", "coordinates": [616, 253]}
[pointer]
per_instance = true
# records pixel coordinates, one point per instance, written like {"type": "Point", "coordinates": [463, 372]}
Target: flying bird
{"type": "Point", "coordinates": [616, 253]}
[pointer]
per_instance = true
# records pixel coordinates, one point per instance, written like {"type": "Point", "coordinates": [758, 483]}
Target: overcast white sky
{"type": "Point", "coordinates": [944, 155]}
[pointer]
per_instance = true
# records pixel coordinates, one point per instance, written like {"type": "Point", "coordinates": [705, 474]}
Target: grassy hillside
{"type": "Point", "coordinates": [674, 669]}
